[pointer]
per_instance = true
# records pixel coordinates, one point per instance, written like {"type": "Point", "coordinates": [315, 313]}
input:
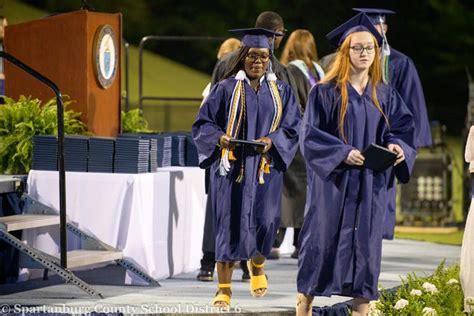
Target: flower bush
{"type": "Point", "coordinates": [437, 294]}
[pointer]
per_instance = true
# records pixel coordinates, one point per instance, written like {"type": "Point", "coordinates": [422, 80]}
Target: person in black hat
{"type": "Point", "coordinates": [350, 109]}
{"type": "Point", "coordinates": [251, 107]}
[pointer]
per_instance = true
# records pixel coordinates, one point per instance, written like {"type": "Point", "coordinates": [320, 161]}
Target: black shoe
{"type": "Point", "coordinates": [295, 254]}
{"type": "Point", "coordinates": [274, 254]}
{"type": "Point", "coordinates": [205, 275]}
{"type": "Point", "coordinates": [245, 276]}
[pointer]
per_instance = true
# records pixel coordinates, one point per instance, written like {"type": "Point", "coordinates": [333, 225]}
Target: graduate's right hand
{"type": "Point", "coordinates": [354, 158]}
{"type": "Point", "coordinates": [224, 142]}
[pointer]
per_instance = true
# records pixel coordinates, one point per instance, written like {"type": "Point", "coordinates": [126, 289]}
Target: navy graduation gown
{"type": "Point", "coordinates": [341, 237]}
{"type": "Point", "coordinates": [404, 78]}
{"type": "Point", "coordinates": [248, 213]}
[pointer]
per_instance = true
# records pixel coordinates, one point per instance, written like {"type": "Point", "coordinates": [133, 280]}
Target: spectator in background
{"type": "Point", "coordinates": [228, 46]}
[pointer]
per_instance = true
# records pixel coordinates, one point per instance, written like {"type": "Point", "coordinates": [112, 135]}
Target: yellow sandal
{"type": "Point", "coordinates": [222, 300]}
{"type": "Point", "coordinates": [257, 281]}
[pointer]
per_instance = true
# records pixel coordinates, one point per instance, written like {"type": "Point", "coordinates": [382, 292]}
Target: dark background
{"type": "Point", "coordinates": [437, 34]}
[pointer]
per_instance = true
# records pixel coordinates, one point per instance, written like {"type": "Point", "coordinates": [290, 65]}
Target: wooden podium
{"type": "Point", "coordinates": [80, 52]}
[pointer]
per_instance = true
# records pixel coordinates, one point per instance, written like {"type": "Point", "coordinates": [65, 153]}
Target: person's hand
{"type": "Point", "coordinates": [224, 142]}
{"type": "Point", "coordinates": [268, 145]}
{"type": "Point", "coordinates": [399, 151]}
{"type": "Point", "coordinates": [354, 158]}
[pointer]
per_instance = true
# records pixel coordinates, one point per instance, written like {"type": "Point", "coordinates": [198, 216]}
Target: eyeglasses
{"type": "Point", "coordinates": [254, 57]}
{"type": "Point", "coordinates": [359, 49]}
{"type": "Point", "coordinates": [282, 31]}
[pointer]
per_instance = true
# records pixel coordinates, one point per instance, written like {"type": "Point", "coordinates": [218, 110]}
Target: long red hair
{"type": "Point", "coordinates": [340, 71]}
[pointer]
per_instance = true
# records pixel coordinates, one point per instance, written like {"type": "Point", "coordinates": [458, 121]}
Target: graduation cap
{"type": "Point", "coordinates": [358, 23]}
{"type": "Point", "coordinates": [255, 37]}
{"type": "Point", "coordinates": [375, 15]}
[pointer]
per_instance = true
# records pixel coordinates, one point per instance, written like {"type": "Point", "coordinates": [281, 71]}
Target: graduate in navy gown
{"type": "Point", "coordinates": [351, 108]}
{"type": "Point", "coordinates": [403, 77]}
{"type": "Point", "coordinates": [246, 181]}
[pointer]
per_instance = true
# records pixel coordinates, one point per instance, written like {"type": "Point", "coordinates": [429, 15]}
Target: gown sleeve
{"type": "Point", "coordinates": [323, 152]}
{"type": "Point", "coordinates": [401, 131]}
{"type": "Point", "coordinates": [210, 126]}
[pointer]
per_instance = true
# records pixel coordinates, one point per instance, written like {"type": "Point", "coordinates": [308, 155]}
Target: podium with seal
{"type": "Point", "coordinates": [79, 51]}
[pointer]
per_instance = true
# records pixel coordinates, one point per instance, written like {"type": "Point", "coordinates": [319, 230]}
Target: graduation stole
{"type": "Point", "coordinates": [235, 118]}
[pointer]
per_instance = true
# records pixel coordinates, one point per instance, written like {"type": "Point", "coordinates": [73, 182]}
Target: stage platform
{"type": "Point", "coordinates": [9, 183]}
{"type": "Point", "coordinates": [183, 294]}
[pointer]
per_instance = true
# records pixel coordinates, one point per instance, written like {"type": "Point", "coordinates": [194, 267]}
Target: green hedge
{"type": "Point", "coordinates": [21, 120]}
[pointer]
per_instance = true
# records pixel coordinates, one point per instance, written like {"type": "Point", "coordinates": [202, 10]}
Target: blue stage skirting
{"type": "Point", "coordinates": [10, 204]}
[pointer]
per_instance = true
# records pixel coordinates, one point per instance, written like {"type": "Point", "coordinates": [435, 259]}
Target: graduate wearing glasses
{"type": "Point", "coordinates": [246, 181]}
{"type": "Point", "coordinates": [351, 108]}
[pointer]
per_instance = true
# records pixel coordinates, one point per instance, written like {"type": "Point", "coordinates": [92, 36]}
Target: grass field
{"type": "Point", "coordinates": [449, 239]}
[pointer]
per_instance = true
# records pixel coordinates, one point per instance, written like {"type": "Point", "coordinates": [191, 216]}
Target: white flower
{"type": "Point", "coordinates": [373, 304]}
{"type": "Point", "coordinates": [415, 292]}
{"type": "Point", "coordinates": [469, 300]}
{"type": "Point", "coordinates": [375, 312]}
{"type": "Point", "coordinates": [428, 287]}
{"type": "Point", "coordinates": [428, 311]}
{"type": "Point", "coordinates": [400, 304]}
{"type": "Point", "coordinates": [452, 281]}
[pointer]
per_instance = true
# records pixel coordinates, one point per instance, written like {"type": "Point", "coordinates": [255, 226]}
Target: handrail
{"type": "Point", "coordinates": [62, 173]}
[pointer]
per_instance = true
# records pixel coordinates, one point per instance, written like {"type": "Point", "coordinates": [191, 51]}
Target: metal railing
{"type": "Point", "coordinates": [167, 107]}
{"type": "Point", "coordinates": [62, 173]}
{"type": "Point", "coordinates": [126, 46]}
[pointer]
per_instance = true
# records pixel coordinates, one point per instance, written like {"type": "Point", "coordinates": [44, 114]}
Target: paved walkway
{"type": "Point", "coordinates": [183, 294]}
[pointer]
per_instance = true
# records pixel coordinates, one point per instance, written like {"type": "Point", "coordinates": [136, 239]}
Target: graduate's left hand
{"type": "Point", "coordinates": [399, 151]}
{"type": "Point", "coordinates": [267, 141]}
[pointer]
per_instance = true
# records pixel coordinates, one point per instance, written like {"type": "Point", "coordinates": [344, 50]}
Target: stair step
{"type": "Point", "coordinates": [26, 221]}
{"type": "Point", "coordinates": [80, 258]}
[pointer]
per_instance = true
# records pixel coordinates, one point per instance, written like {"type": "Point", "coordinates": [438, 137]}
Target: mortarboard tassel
{"type": "Point", "coordinates": [385, 56]}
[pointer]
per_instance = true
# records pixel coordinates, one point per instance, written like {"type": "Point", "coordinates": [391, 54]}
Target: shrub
{"type": "Point", "coordinates": [134, 122]}
{"type": "Point", "coordinates": [437, 294]}
{"type": "Point", "coordinates": [21, 120]}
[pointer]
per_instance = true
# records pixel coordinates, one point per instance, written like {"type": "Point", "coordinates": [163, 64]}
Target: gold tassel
{"type": "Point", "coordinates": [241, 174]}
{"type": "Point", "coordinates": [231, 155]}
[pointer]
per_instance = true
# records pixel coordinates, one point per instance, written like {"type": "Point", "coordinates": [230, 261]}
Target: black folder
{"type": "Point", "coordinates": [241, 142]}
{"type": "Point", "coordinates": [378, 158]}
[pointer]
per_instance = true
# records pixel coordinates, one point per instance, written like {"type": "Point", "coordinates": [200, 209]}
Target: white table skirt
{"type": "Point", "coordinates": [156, 219]}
